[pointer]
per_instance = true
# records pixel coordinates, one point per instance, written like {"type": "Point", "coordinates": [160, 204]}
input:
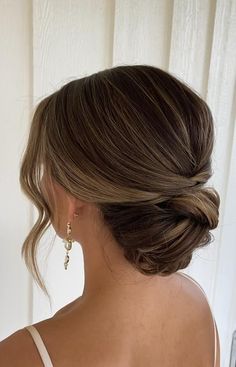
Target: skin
{"type": "Point", "coordinates": [123, 318]}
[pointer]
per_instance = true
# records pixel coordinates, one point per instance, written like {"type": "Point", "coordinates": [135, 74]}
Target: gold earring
{"type": "Point", "coordinates": [68, 244]}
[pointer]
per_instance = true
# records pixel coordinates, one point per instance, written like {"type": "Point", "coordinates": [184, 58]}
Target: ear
{"type": "Point", "coordinates": [74, 207]}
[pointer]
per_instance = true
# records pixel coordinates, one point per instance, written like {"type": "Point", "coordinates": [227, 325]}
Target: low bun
{"type": "Point", "coordinates": [160, 238]}
{"type": "Point", "coordinates": [201, 206]}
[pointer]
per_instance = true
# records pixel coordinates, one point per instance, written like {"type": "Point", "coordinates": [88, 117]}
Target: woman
{"type": "Point", "coordinates": [118, 161]}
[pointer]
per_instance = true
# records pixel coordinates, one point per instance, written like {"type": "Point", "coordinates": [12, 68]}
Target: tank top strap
{"type": "Point", "coordinates": [40, 345]}
{"type": "Point", "coordinates": [213, 319]}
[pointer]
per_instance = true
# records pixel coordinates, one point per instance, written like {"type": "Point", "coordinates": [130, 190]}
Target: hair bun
{"type": "Point", "coordinates": [200, 205]}
{"type": "Point", "coordinates": [160, 238]}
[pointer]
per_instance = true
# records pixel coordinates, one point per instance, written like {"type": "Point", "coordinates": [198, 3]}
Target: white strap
{"type": "Point", "coordinates": [214, 322]}
{"type": "Point", "coordinates": [40, 346]}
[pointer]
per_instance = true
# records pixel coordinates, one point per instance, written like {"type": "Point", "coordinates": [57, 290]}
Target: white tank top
{"type": "Point", "coordinates": [46, 357]}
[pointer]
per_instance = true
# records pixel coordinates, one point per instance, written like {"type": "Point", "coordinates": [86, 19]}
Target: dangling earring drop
{"type": "Point", "coordinates": [68, 244]}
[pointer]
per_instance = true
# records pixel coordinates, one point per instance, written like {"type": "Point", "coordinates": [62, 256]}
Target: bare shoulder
{"type": "Point", "coordinates": [18, 350]}
{"type": "Point", "coordinates": [198, 323]}
{"type": "Point", "coordinates": [67, 308]}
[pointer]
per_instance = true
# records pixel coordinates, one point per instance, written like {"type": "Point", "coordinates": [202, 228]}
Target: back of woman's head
{"type": "Point", "coordinates": [137, 142]}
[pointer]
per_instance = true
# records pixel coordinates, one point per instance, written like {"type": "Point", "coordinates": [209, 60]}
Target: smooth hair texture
{"type": "Point", "coordinates": [136, 141]}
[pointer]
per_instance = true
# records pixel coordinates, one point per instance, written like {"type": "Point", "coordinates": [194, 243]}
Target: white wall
{"type": "Point", "coordinates": [43, 45]}
{"type": "Point", "coordinates": [15, 104]}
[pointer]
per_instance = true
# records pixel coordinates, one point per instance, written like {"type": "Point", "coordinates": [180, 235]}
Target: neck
{"type": "Point", "coordinates": [109, 274]}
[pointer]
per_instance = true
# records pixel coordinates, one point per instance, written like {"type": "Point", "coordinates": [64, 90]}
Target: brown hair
{"type": "Point", "coordinates": [136, 141]}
